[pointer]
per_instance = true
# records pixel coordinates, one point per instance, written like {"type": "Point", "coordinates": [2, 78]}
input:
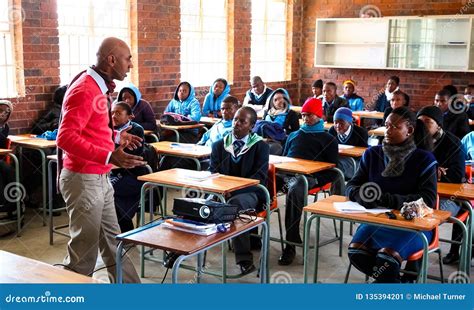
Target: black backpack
{"type": "Point", "coordinates": [150, 156]}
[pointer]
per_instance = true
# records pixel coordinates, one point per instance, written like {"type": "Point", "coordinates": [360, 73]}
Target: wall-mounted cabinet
{"type": "Point", "coordinates": [433, 43]}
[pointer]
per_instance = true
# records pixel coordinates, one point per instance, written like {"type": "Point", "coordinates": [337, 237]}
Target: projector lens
{"type": "Point", "coordinates": [204, 212]}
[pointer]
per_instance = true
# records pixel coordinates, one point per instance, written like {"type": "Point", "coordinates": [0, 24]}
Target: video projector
{"type": "Point", "coordinates": [206, 211]}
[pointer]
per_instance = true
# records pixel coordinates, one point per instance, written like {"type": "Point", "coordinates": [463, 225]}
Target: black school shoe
{"type": "Point", "coordinates": [288, 256]}
{"type": "Point", "coordinates": [451, 259]}
{"type": "Point", "coordinates": [170, 258]}
{"type": "Point", "coordinates": [246, 267]}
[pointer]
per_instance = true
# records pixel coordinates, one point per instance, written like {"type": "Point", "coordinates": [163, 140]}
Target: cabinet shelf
{"type": "Point", "coordinates": [429, 43]}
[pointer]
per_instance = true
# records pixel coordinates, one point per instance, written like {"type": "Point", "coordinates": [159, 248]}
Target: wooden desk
{"type": "Point", "coordinates": [356, 151]}
{"type": "Point", "coordinates": [209, 121]}
{"type": "Point", "coordinates": [155, 236]}
{"type": "Point", "coordinates": [378, 132]}
{"type": "Point", "coordinates": [39, 145]}
{"type": "Point", "coordinates": [368, 114]}
{"type": "Point", "coordinates": [177, 128]}
{"type": "Point", "coordinates": [17, 193]}
{"type": "Point", "coordinates": [325, 209]}
{"type": "Point", "coordinates": [187, 150]}
{"type": "Point", "coordinates": [218, 185]}
{"type": "Point", "coordinates": [19, 269]}
{"type": "Point", "coordinates": [464, 193]}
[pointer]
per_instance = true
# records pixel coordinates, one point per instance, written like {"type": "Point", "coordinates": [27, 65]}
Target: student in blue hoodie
{"type": "Point", "coordinates": [212, 102]}
{"type": "Point", "coordinates": [142, 111]}
{"type": "Point", "coordinates": [185, 103]}
{"type": "Point", "coordinates": [229, 106]}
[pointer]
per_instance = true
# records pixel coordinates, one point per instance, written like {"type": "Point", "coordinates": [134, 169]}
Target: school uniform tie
{"type": "Point", "coordinates": [343, 137]}
{"type": "Point", "coordinates": [238, 145]}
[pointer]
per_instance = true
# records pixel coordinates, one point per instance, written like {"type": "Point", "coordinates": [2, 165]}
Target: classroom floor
{"type": "Point", "coordinates": [34, 243]}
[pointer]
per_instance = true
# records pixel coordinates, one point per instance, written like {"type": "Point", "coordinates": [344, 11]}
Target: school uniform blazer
{"type": "Point", "coordinates": [253, 164]}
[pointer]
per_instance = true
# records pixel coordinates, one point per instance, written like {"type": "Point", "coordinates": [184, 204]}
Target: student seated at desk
{"type": "Point", "coordinates": [126, 186]}
{"type": "Point", "coordinates": [256, 97]}
{"type": "Point", "coordinates": [448, 152]}
{"type": "Point", "coordinates": [280, 115]}
{"type": "Point", "coordinates": [454, 120]}
{"type": "Point", "coordinates": [469, 97]}
{"type": "Point", "coordinates": [331, 101]}
{"type": "Point", "coordinates": [356, 102]}
{"type": "Point", "coordinates": [229, 106]}
{"type": "Point", "coordinates": [313, 143]}
{"type": "Point", "coordinates": [468, 145]}
{"type": "Point", "coordinates": [403, 170]}
{"type": "Point", "coordinates": [243, 154]}
{"type": "Point", "coordinates": [399, 99]}
{"type": "Point", "coordinates": [6, 172]}
{"type": "Point", "coordinates": [50, 121]}
{"type": "Point", "coordinates": [184, 103]}
{"type": "Point", "coordinates": [347, 133]}
{"type": "Point", "coordinates": [142, 111]}
{"type": "Point", "coordinates": [317, 89]}
{"type": "Point", "coordinates": [383, 99]}
{"type": "Point", "coordinates": [212, 102]}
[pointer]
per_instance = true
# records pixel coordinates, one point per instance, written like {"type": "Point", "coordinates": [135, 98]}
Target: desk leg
{"type": "Point", "coordinates": [224, 262]}
{"type": "Point", "coordinates": [43, 183]}
{"type": "Point", "coordinates": [264, 274]}
{"type": "Point", "coordinates": [307, 230]}
{"type": "Point", "coordinates": [174, 271]}
{"type": "Point", "coordinates": [50, 200]}
{"type": "Point", "coordinates": [316, 250]}
{"type": "Point", "coordinates": [469, 232]}
{"type": "Point", "coordinates": [424, 260]}
{"type": "Point", "coordinates": [464, 261]}
{"type": "Point", "coordinates": [118, 262]}
{"type": "Point", "coordinates": [199, 268]}
{"type": "Point", "coordinates": [176, 132]}
{"type": "Point", "coordinates": [20, 215]}
{"type": "Point", "coordinates": [198, 164]}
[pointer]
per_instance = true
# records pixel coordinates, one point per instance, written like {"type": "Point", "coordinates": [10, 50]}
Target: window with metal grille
{"type": "Point", "coordinates": [82, 27]}
{"type": "Point", "coordinates": [269, 40]}
{"type": "Point", "coordinates": [11, 64]}
{"type": "Point", "coordinates": [203, 41]}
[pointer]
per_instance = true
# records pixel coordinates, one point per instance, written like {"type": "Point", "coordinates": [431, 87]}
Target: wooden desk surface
{"type": "Point", "coordinates": [181, 242]}
{"type": "Point", "coordinates": [355, 151]}
{"type": "Point", "coordinates": [461, 191]}
{"type": "Point", "coordinates": [21, 137]}
{"type": "Point", "coordinates": [379, 132]}
{"type": "Point", "coordinates": [206, 120]}
{"type": "Point", "coordinates": [19, 269]}
{"type": "Point", "coordinates": [179, 127]}
{"type": "Point", "coordinates": [5, 151]}
{"type": "Point", "coordinates": [35, 143]}
{"type": "Point", "coordinates": [188, 149]}
{"type": "Point", "coordinates": [325, 207]}
{"type": "Point", "coordinates": [368, 114]}
{"type": "Point", "coordinates": [219, 184]}
{"type": "Point", "coordinates": [302, 166]}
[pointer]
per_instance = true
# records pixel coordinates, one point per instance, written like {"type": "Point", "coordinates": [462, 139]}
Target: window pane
{"type": "Point", "coordinates": [268, 55]}
{"type": "Point", "coordinates": [203, 41]}
{"type": "Point", "coordinates": [82, 27]}
{"type": "Point", "coordinates": [7, 61]}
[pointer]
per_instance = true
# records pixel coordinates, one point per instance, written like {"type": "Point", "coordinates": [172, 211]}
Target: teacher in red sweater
{"type": "Point", "coordinates": [87, 139]}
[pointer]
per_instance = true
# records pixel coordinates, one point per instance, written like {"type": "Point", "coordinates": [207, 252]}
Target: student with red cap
{"type": "Point", "coordinates": [313, 143]}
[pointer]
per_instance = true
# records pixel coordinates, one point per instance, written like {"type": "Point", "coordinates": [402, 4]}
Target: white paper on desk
{"type": "Point", "coordinates": [199, 175]}
{"type": "Point", "coordinates": [344, 146]}
{"type": "Point", "coordinates": [183, 146]}
{"type": "Point", "coordinates": [354, 207]}
{"type": "Point", "coordinates": [280, 159]}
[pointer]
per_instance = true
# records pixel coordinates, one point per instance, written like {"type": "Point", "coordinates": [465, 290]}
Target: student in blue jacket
{"type": "Point", "coordinates": [212, 102]}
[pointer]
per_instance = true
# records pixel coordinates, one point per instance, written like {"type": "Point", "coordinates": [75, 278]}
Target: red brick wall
{"type": "Point", "coordinates": [421, 86]}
